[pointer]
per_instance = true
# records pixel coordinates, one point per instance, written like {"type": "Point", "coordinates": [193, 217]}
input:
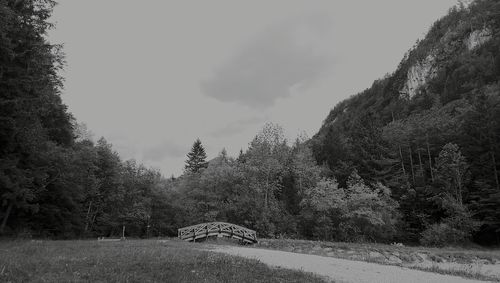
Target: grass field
{"type": "Point", "coordinates": [131, 261]}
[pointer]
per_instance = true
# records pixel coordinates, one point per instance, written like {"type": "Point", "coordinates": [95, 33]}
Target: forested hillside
{"type": "Point", "coordinates": [412, 159]}
{"type": "Point", "coordinates": [54, 181]}
{"type": "Point", "coordinates": [431, 130]}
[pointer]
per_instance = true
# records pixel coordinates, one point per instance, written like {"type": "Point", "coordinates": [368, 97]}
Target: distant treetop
{"type": "Point", "coordinates": [196, 158]}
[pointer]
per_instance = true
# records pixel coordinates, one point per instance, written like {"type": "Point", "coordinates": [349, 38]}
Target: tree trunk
{"type": "Point", "coordinates": [402, 163]}
{"type": "Point", "coordinates": [459, 186]}
{"type": "Point", "coordinates": [94, 216]}
{"type": "Point", "coordinates": [87, 218]}
{"type": "Point", "coordinates": [148, 226]}
{"type": "Point", "coordinates": [411, 165]}
{"type": "Point", "coordinates": [6, 217]}
{"type": "Point", "coordinates": [267, 189]}
{"type": "Point", "coordinates": [493, 159]}
{"type": "Point", "coordinates": [420, 163]}
{"type": "Point", "coordinates": [429, 155]}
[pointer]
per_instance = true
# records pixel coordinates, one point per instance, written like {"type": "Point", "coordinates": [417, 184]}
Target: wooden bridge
{"type": "Point", "coordinates": [219, 229]}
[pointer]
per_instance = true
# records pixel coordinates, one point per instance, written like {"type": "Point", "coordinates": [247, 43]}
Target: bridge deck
{"type": "Point", "coordinates": [205, 230]}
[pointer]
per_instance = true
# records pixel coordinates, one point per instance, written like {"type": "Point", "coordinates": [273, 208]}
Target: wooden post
{"type": "Point", "coordinates": [123, 232]}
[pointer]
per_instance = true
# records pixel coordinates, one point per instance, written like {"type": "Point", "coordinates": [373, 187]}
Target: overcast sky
{"type": "Point", "coordinates": [152, 76]}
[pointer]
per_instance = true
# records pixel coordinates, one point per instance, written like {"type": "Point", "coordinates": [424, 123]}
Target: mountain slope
{"type": "Point", "coordinates": [445, 91]}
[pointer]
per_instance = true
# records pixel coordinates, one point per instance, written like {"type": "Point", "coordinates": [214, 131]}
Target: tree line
{"type": "Point", "coordinates": [382, 168]}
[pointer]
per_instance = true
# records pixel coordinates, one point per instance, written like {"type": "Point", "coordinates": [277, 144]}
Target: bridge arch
{"type": "Point", "coordinates": [219, 229]}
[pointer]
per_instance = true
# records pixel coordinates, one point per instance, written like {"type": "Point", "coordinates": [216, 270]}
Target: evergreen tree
{"type": "Point", "coordinates": [34, 122]}
{"type": "Point", "coordinates": [196, 158]}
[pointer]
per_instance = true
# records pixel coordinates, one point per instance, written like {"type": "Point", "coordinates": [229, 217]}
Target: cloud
{"type": "Point", "coordinates": [235, 127]}
{"type": "Point", "coordinates": [163, 150]}
{"type": "Point", "coordinates": [281, 59]}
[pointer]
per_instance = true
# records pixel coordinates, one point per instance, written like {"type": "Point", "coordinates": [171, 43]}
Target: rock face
{"type": "Point", "coordinates": [418, 75]}
{"type": "Point", "coordinates": [478, 38]}
{"type": "Point", "coordinates": [423, 71]}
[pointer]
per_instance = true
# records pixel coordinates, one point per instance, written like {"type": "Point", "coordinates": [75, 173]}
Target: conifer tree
{"type": "Point", "coordinates": [196, 158]}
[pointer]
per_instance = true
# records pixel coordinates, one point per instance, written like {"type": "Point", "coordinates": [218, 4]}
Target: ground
{"type": "Point", "coordinates": [172, 260]}
{"type": "Point", "coordinates": [477, 263]}
{"type": "Point", "coordinates": [341, 270]}
{"type": "Point", "coordinates": [132, 261]}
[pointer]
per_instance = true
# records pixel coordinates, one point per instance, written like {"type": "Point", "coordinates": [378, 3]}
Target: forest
{"type": "Point", "coordinates": [385, 166]}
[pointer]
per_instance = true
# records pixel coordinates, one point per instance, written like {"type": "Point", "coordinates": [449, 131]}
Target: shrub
{"type": "Point", "coordinates": [456, 229]}
{"type": "Point", "coordinates": [442, 234]}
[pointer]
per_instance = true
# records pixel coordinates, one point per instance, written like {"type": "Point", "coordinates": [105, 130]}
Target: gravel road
{"type": "Point", "coordinates": [340, 270]}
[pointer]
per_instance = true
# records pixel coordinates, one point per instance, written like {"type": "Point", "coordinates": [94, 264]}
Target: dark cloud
{"type": "Point", "coordinates": [166, 149]}
{"type": "Point", "coordinates": [235, 127]}
{"type": "Point", "coordinates": [278, 60]}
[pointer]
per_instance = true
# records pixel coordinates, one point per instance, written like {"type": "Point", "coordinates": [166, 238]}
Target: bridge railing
{"type": "Point", "coordinates": [205, 230]}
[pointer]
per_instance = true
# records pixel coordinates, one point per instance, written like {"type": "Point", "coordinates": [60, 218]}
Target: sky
{"type": "Point", "coordinates": [153, 76]}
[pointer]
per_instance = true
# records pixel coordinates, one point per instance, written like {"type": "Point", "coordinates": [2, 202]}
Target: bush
{"type": "Point", "coordinates": [442, 234]}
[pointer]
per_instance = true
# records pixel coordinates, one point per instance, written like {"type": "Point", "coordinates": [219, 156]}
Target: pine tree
{"type": "Point", "coordinates": [196, 158]}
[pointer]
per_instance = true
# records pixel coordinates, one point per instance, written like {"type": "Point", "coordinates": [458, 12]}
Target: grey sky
{"type": "Point", "coordinates": [152, 76]}
{"type": "Point", "coordinates": [284, 56]}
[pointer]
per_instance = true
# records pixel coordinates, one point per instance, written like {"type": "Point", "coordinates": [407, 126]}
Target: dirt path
{"type": "Point", "coordinates": [340, 270]}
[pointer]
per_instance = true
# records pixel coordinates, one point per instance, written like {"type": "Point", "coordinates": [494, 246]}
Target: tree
{"type": "Point", "coordinates": [322, 207]}
{"type": "Point", "coordinates": [139, 184]}
{"type": "Point", "coordinates": [265, 161]}
{"type": "Point", "coordinates": [457, 225]}
{"type": "Point", "coordinates": [324, 196]}
{"type": "Point", "coordinates": [264, 166]}
{"type": "Point", "coordinates": [479, 144]}
{"type": "Point", "coordinates": [32, 116]}
{"type": "Point", "coordinates": [456, 228]}
{"type": "Point", "coordinates": [451, 170]}
{"type": "Point", "coordinates": [304, 166]}
{"type": "Point", "coordinates": [196, 158]}
{"type": "Point", "coordinates": [371, 213]}
{"type": "Point", "coordinates": [110, 194]}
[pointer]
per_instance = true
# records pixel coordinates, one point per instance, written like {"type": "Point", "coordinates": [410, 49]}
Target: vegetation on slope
{"type": "Point", "coordinates": [436, 149]}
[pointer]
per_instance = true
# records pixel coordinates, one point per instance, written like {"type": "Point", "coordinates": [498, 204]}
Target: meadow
{"type": "Point", "coordinates": [131, 261]}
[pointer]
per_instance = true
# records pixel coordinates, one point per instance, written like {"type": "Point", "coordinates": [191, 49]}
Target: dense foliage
{"type": "Point", "coordinates": [385, 166]}
{"type": "Point", "coordinates": [35, 129]}
{"type": "Point", "coordinates": [54, 182]}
